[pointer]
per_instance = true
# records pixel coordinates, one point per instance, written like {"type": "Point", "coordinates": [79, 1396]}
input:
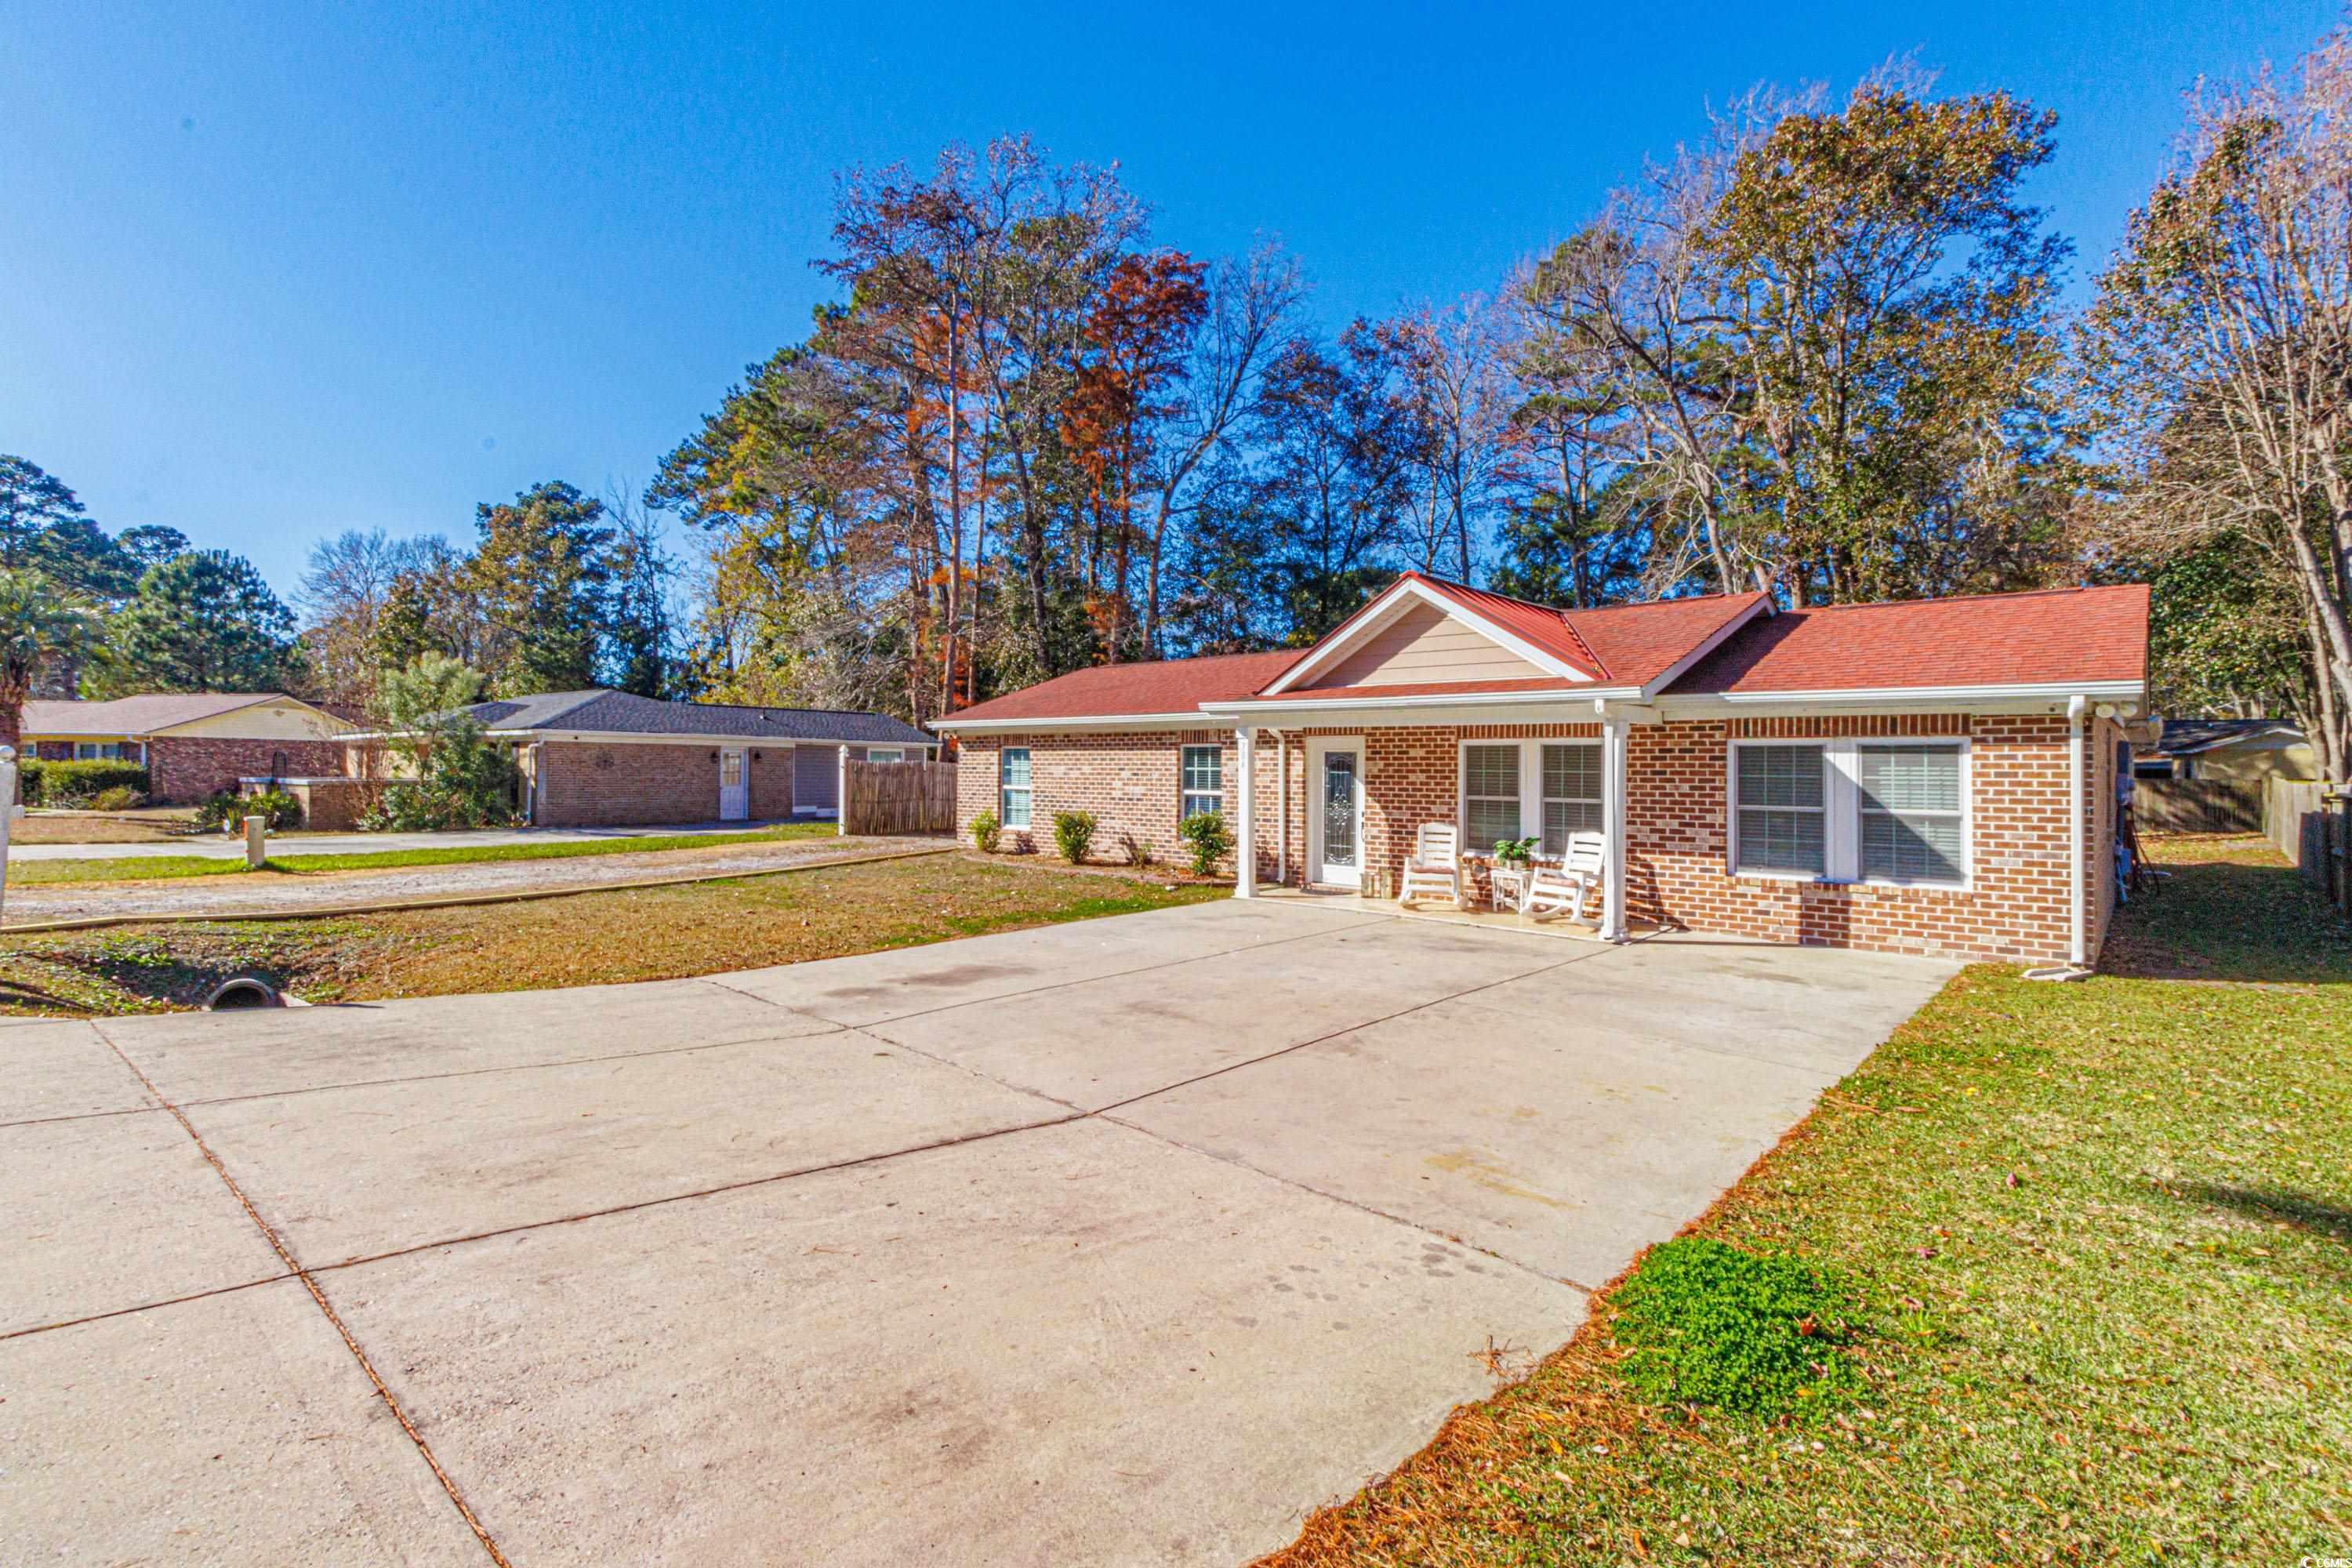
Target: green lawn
{"type": "Point", "coordinates": [582, 939]}
{"type": "Point", "coordinates": [147, 867]}
{"type": "Point", "coordinates": [2098, 1239]}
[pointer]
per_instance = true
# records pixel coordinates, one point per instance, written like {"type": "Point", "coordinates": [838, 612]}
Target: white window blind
{"type": "Point", "coordinates": [1201, 786]}
{"type": "Point", "coordinates": [1909, 798]}
{"type": "Point", "coordinates": [1490, 796]}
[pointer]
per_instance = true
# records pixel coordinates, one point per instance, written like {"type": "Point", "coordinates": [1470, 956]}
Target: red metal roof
{"type": "Point", "coordinates": [2052, 637]}
{"type": "Point", "coordinates": [1107, 690]}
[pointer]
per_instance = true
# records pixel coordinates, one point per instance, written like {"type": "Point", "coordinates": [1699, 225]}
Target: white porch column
{"type": "Point", "coordinates": [841, 794]}
{"type": "Point", "coordinates": [1614, 731]}
{"type": "Point", "coordinates": [1282, 824]}
{"type": "Point", "coordinates": [1244, 840]}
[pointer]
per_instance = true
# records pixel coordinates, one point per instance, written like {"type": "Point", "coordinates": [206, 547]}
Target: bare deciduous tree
{"type": "Point", "coordinates": [2220, 349]}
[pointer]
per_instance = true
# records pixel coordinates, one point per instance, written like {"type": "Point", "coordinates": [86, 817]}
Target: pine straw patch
{"type": "Point", "coordinates": [2101, 1239]}
{"type": "Point", "coordinates": [586, 939]}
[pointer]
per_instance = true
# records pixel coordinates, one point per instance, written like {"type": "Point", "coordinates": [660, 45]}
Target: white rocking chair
{"type": "Point", "coordinates": [1564, 889]}
{"type": "Point", "coordinates": [1436, 869]}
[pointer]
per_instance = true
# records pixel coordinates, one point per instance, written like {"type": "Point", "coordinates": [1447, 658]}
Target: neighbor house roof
{"type": "Point", "coordinates": [1157, 689]}
{"type": "Point", "coordinates": [2065, 636]}
{"type": "Point", "coordinates": [2186, 737]}
{"type": "Point", "coordinates": [147, 714]}
{"type": "Point", "coordinates": [605, 712]}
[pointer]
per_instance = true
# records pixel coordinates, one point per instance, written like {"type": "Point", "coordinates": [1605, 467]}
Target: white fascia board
{"type": "Point", "coordinates": [2028, 697]}
{"type": "Point", "coordinates": [1407, 588]}
{"type": "Point", "coordinates": [1196, 719]}
{"type": "Point", "coordinates": [1715, 639]}
{"type": "Point", "coordinates": [1506, 707]}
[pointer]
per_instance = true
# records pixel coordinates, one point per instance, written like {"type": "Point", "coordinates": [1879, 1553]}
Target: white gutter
{"type": "Point", "coordinates": [2053, 692]}
{"type": "Point", "coordinates": [2077, 965]}
{"type": "Point", "coordinates": [1195, 720]}
{"type": "Point", "coordinates": [2077, 947]}
{"type": "Point", "coordinates": [1553, 697]}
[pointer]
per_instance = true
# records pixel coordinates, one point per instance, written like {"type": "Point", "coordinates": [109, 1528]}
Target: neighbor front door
{"type": "Point", "coordinates": [734, 786]}
{"type": "Point", "coordinates": [1335, 814]}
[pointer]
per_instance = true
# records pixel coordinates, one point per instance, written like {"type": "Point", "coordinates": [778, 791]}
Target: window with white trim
{"type": "Point", "coordinates": [1571, 792]}
{"type": "Point", "coordinates": [1783, 808]}
{"type": "Point", "coordinates": [1490, 796]}
{"type": "Point", "coordinates": [1012, 786]}
{"type": "Point", "coordinates": [1201, 781]}
{"type": "Point", "coordinates": [1851, 810]}
{"type": "Point", "coordinates": [885, 754]}
{"type": "Point", "coordinates": [97, 750]}
{"type": "Point", "coordinates": [1909, 797]}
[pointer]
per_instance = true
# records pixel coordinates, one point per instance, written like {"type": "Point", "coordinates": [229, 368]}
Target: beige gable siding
{"type": "Point", "coordinates": [265, 721]}
{"type": "Point", "coordinates": [1424, 645]}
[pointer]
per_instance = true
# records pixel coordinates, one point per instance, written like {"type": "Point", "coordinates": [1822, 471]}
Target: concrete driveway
{"type": "Point", "coordinates": [1121, 1242]}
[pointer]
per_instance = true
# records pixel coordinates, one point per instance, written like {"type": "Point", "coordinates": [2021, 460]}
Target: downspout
{"type": "Point", "coordinates": [2077, 964]}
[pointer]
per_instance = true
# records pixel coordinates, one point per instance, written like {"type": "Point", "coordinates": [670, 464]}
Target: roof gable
{"type": "Point", "coordinates": [1421, 643]}
{"type": "Point", "coordinates": [1532, 634]}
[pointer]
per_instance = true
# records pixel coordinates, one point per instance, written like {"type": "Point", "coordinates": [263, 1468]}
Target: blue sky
{"type": "Point", "coordinates": [275, 272]}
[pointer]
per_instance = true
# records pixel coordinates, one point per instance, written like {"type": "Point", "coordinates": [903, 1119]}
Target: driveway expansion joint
{"type": "Point", "coordinates": [1504, 1259]}
{"type": "Point", "coordinates": [319, 1296]}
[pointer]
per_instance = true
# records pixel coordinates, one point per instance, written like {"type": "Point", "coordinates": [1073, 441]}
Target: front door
{"type": "Point", "coordinates": [1335, 814]}
{"type": "Point", "coordinates": [734, 789]}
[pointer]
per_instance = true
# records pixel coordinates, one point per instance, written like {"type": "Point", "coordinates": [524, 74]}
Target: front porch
{"type": "Point", "coordinates": [1476, 915]}
{"type": "Point", "coordinates": [1335, 812]}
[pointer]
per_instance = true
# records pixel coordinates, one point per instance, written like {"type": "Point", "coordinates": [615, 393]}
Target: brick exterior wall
{"type": "Point", "coordinates": [770, 770]}
{"type": "Point", "coordinates": [583, 784]}
{"type": "Point", "coordinates": [1130, 779]}
{"type": "Point", "coordinates": [1677, 803]}
{"type": "Point", "coordinates": [586, 784]}
{"type": "Point", "coordinates": [185, 769]}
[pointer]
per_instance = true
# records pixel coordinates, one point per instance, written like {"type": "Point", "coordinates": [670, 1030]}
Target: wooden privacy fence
{"type": "Point", "coordinates": [2312, 828]}
{"type": "Point", "coordinates": [897, 797]}
{"type": "Point", "coordinates": [2198, 806]}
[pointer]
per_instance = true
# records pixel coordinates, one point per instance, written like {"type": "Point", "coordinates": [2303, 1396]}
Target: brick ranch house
{"type": "Point", "coordinates": [1934, 776]}
{"type": "Point", "coordinates": [194, 744]}
{"type": "Point", "coordinates": [610, 759]}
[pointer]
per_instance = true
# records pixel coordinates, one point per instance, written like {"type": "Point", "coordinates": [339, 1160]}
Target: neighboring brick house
{"type": "Point", "coordinates": [1934, 776]}
{"type": "Point", "coordinates": [194, 744]}
{"type": "Point", "coordinates": [610, 759]}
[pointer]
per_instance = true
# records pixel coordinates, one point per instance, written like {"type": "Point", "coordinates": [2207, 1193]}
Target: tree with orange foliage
{"type": "Point", "coordinates": [1135, 339]}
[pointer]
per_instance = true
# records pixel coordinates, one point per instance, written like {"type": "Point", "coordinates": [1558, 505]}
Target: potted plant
{"type": "Point", "coordinates": [1515, 852]}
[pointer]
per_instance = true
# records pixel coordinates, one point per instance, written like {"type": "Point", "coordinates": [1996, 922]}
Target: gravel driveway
{"type": "Point", "coordinates": [230, 895]}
